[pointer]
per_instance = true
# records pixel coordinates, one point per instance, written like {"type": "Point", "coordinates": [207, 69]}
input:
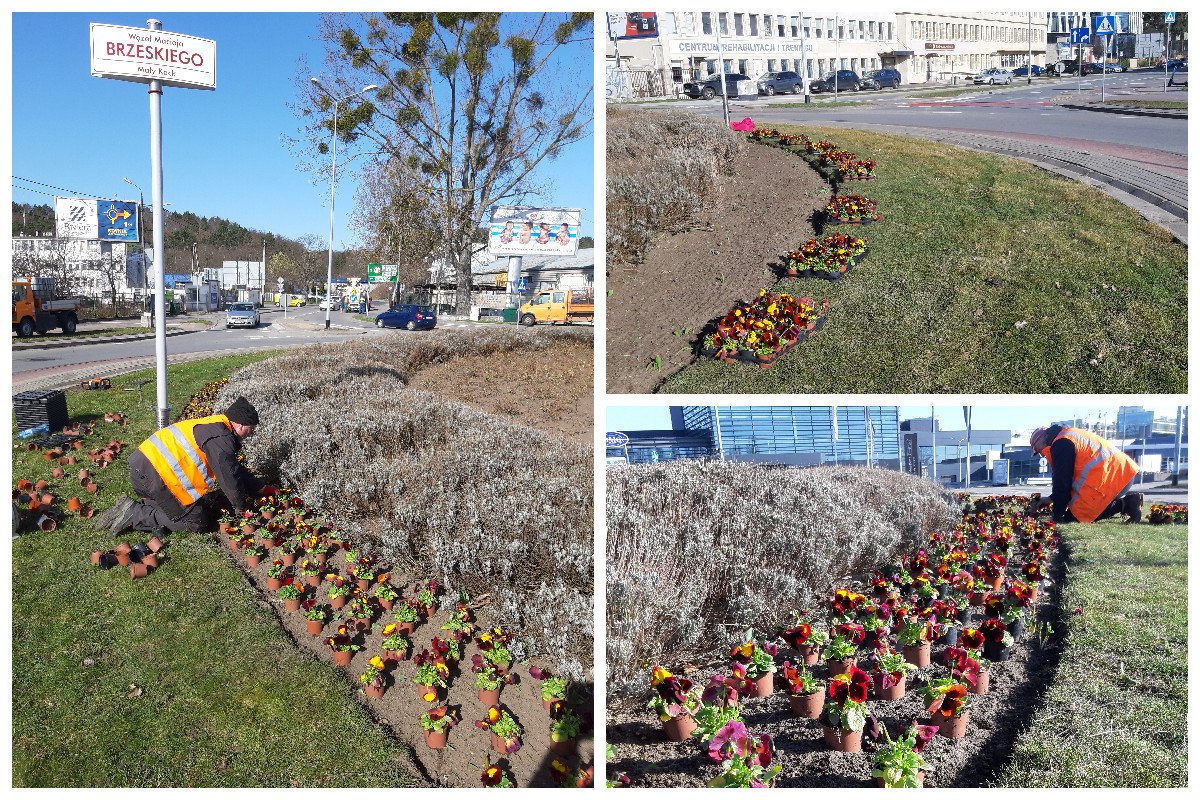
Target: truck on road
{"type": "Point", "coordinates": [36, 309]}
{"type": "Point", "coordinates": [559, 306]}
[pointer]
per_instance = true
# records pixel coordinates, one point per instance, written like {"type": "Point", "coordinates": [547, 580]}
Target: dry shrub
{"type": "Point", "coordinates": [662, 169]}
{"type": "Point", "coordinates": [435, 487]}
{"type": "Point", "coordinates": [700, 551]}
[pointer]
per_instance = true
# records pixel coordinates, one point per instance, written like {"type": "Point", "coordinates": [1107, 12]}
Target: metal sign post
{"type": "Point", "coordinates": [721, 65]}
{"type": "Point", "coordinates": [1106, 26]}
{"type": "Point", "coordinates": [1168, 17]}
{"type": "Point", "coordinates": [160, 264]}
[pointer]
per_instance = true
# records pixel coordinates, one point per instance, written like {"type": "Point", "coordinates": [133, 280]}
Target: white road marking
{"type": "Point", "coordinates": [945, 112]}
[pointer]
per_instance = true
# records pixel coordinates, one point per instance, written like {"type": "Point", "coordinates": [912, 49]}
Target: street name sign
{"type": "Point", "coordinates": [142, 55]}
{"type": "Point", "coordinates": [1106, 25]}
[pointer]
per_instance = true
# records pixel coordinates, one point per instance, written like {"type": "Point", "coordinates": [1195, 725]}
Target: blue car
{"type": "Point", "coordinates": [1021, 72]}
{"type": "Point", "coordinates": [409, 316]}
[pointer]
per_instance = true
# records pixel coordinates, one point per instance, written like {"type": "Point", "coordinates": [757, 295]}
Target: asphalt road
{"type": "Point", "coordinates": [1021, 110]}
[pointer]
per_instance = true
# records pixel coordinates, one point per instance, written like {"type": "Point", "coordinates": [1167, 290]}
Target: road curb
{"type": "Point", "coordinates": [1162, 113]}
{"type": "Point", "coordinates": [131, 337]}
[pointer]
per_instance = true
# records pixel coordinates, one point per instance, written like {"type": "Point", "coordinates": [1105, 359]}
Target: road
{"type": "Point", "coordinates": [44, 367]}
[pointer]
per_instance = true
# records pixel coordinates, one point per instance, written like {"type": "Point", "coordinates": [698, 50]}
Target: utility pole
{"type": "Point", "coordinates": [1029, 44]}
{"type": "Point", "coordinates": [721, 66]}
{"type": "Point", "coordinates": [1178, 445]}
{"type": "Point", "coordinates": [804, 60]}
{"type": "Point", "coordinates": [837, 55]}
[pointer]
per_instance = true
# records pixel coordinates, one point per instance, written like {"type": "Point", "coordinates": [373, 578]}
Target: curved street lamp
{"type": "Point", "coordinates": [332, 186]}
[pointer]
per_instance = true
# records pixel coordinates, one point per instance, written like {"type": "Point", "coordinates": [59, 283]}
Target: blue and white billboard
{"type": "Point", "coordinates": [88, 218]}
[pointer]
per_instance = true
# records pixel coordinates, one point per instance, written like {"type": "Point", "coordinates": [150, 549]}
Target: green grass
{"type": "Point", "coordinates": [1148, 103]}
{"type": "Point", "coordinates": [986, 275]}
{"type": "Point", "coordinates": [226, 699]}
{"type": "Point", "coordinates": [1116, 713]}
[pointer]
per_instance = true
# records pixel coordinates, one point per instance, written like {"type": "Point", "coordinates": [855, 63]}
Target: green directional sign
{"type": "Point", "coordinates": [374, 271]}
{"type": "Point", "coordinates": [382, 272]}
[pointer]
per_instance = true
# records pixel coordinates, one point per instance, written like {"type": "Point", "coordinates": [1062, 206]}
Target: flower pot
{"type": "Point", "coordinates": [1017, 629]}
{"type": "Point", "coordinates": [954, 727]}
{"type": "Point", "coordinates": [547, 703]}
{"type": "Point", "coordinates": [138, 571]}
{"type": "Point", "coordinates": [397, 655]}
{"type": "Point", "coordinates": [981, 683]}
{"type": "Point", "coordinates": [273, 584]}
{"type": "Point", "coordinates": [840, 666]}
{"type": "Point", "coordinates": [312, 580]}
{"type": "Point", "coordinates": [249, 529]}
{"type": "Point", "coordinates": [810, 653]}
{"type": "Point", "coordinates": [679, 729]}
{"type": "Point", "coordinates": [315, 626]}
{"type": "Point", "coordinates": [74, 504]}
{"type": "Point", "coordinates": [892, 693]}
{"type": "Point", "coordinates": [764, 686]}
{"type": "Point", "coordinates": [996, 651]}
{"type": "Point", "coordinates": [155, 544]}
{"type": "Point", "coordinates": [253, 561]}
{"type": "Point", "coordinates": [342, 657]}
{"type": "Point", "coordinates": [287, 558]}
{"type": "Point", "coordinates": [430, 610]}
{"type": "Point", "coordinates": [87, 512]}
{"type": "Point", "coordinates": [292, 605]}
{"type": "Point", "coordinates": [435, 740]}
{"type": "Point", "coordinates": [58, 472]}
{"type": "Point", "coordinates": [1033, 593]}
{"type": "Point", "coordinates": [84, 476]}
{"type": "Point", "coordinates": [950, 637]}
{"type": "Point", "coordinates": [337, 602]}
{"type": "Point", "coordinates": [489, 697]}
{"type": "Point", "coordinates": [563, 748]}
{"type": "Point", "coordinates": [150, 560]}
{"type": "Point", "coordinates": [321, 558]}
{"type": "Point", "coordinates": [47, 523]}
{"type": "Point", "coordinates": [499, 745]}
{"type": "Point", "coordinates": [374, 690]}
{"type": "Point", "coordinates": [842, 741]}
{"type": "Point", "coordinates": [97, 555]}
{"type": "Point", "coordinates": [406, 628]}
{"type": "Point", "coordinates": [224, 528]}
{"type": "Point", "coordinates": [997, 582]}
{"type": "Point", "coordinates": [363, 585]}
{"type": "Point", "coordinates": [879, 782]}
{"type": "Point", "coordinates": [92, 487]}
{"type": "Point", "coordinates": [422, 689]}
{"type": "Point", "coordinates": [121, 551]}
{"type": "Point", "coordinates": [267, 515]}
{"type": "Point", "coordinates": [917, 655]}
{"type": "Point", "coordinates": [807, 706]}
{"type": "Point", "coordinates": [386, 604]}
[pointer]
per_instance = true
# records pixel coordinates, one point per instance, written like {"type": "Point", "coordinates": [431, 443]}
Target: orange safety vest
{"type": "Point", "coordinates": [180, 463]}
{"type": "Point", "coordinates": [1101, 473]}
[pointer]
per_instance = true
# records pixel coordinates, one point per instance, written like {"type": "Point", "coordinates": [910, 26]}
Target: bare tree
{"type": "Point", "coordinates": [394, 217]}
{"type": "Point", "coordinates": [111, 270]}
{"type": "Point", "coordinates": [474, 102]}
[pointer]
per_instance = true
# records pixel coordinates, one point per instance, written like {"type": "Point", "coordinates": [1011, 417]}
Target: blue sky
{"type": "Point", "coordinates": [1017, 416]}
{"type": "Point", "coordinates": [223, 150]}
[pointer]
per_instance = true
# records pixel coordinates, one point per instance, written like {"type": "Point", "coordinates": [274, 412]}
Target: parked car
{"type": "Point", "coordinates": [1021, 72]}
{"type": "Point", "coordinates": [241, 315]}
{"type": "Point", "coordinates": [879, 78]}
{"type": "Point", "coordinates": [324, 304]}
{"type": "Point", "coordinates": [1174, 64]}
{"type": "Point", "coordinates": [711, 87]}
{"type": "Point", "coordinates": [295, 301]}
{"type": "Point", "coordinates": [778, 82]}
{"type": "Point", "coordinates": [993, 76]}
{"type": "Point", "coordinates": [408, 316]}
{"type": "Point", "coordinates": [847, 81]}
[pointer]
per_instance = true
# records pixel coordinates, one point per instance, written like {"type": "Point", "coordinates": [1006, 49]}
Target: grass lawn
{"type": "Point", "coordinates": [985, 275]}
{"type": "Point", "coordinates": [1148, 103]}
{"type": "Point", "coordinates": [1116, 714]}
{"type": "Point", "coordinates": [180, 679]}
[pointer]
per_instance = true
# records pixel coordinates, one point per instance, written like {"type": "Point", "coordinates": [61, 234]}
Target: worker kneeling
{"type": "Point", "coordinates": [1090, 478]}
{"type": "Point", "coordinates": [186, 472]}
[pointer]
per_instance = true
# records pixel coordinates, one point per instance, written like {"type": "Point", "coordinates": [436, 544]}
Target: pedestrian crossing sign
{"type": "Point", "coordinates": [1168, 17]}
{"type": "Point", "coordinates": [1106, 26]}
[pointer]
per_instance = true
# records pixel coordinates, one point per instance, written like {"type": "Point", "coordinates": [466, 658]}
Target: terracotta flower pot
{"type": "Point", "coordinates": [917, 655]}
{"type": "Point", "coordinates": [342, 657]}
{"type": "Point", "coordinates": [395, 655]}
{"type": "Point", "coordinates": [337, 602]}
{"type": "Point", "coordinates": [155, 544]}
{"type": "Point", "coordinates": [58, 472]}
{"type": "Point", "coordinates": [375, 691]}
{"type": "Point", "coordinates": [47, 523]}
{"type": "Point", "coordinates": [315, 626]}
{"type": "Point", "coordinates": [273, 584]}
{"type": "Point", "coordinates": [981, 683]}
{"type": "Point", "coordinates": [563, 748]}
{"type": "Point", "coordinates": [24, 485]}
{"type": "Point", "coordinates": [422, 689]}
{"type": "Point", "coordinates": [41, 486]}
{"type": "Point", "coordinates": [547, 703]}
{"type": "Point", "coordinates": [954, 727]}
{"type": "Point", "coordinates": [385, 603]}
{"type": "Point", "coordinates": [96, 556]}
{"type": "Point", "coordinates": [121, 551]}
{"type": "Point", "coordinates": [252, 560]}
{"type": "Point", "coordinates": [312, 580]}
{"type": "Point", "coordinates": [764, 686]}
{"type": "Point", "coordinates": [363, 625]}
{"type": "Point", "coordinates": [87, 512]}
{"type": "Point", "coordinates": [138, 571]}
{"type": "Point", "coordinates": [489, 697]}
{"type": "Point", "coordinates": [997, 582]}
{"type": "Point", "coordinates": [363, 585]}
{"type": "Point", "coordinates": [1033, 593]}
{"type": "Point", "coordinates": [249, 529]}
{"type": "Point", "coordinates": [92, 487]}
{"type": "Point", "coordinates": [74, 504]}
{"type": "Point", "coordinates": [840, 666]}
{"type": "Point", "coordinates": [84, 475]}
{"type": "Point", "coordinates": [810, 653]}
{"type": "Point", "coordinates": [679, 729]}
{"type": "Point", "coordinates": [287, 558]}
{"type": "Point", "coordinates": [292, 605]}
{"type": "Point", "coordinates": [67, 461]}
{"type": "Point", "coordinates": [150, 560]}
{"type": "Point", "coordinates": [847, 742]}
{"type": "Point", "coordinates": [406, 628]}
{"type": "Point", "coordinates": [321, 558]}
{"type": "Point", "coordinates": [807, 706]}
{"type": "Point", "coordinates": [892, 693]}
{"type": "Point", "coordinates": [499, 745]}
{"type": "Point", "coordinates": [435, 740]}
{"type": "Point", "coordinates": [430, 610]}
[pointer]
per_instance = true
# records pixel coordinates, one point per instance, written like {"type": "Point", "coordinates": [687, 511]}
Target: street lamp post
{"type": "Point", "coordinates": [141, 241]}
{"type": "Point", "coordinates": [332, 187]}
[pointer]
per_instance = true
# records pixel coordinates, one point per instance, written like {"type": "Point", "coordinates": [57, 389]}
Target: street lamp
{"type": "Point", "coordinates": [141, 241]}
{"type": "Point", "coordinates": [332, 186]}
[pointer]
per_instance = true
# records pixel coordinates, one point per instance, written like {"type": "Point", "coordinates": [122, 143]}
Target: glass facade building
{"type": "Point", "coordinates": [860, 435]}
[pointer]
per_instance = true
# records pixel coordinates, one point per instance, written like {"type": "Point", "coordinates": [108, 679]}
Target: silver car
{"type": "Point", "coordinates": [993, 76]}
{"type": "Point", "coordinates": [241, 315]}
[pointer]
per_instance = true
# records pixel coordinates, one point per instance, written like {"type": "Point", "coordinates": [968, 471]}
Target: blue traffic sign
{"type": "Point", "coordinates": [522, 285]}
{"type": "Point", "coordinates": [615, 439]}
{"type": "Point", "coordinates": [1080, 36]}
{"type": "Point", "coordinates": [1169, 17]}
{"type": "Point", "coordinates": [1106, 25]}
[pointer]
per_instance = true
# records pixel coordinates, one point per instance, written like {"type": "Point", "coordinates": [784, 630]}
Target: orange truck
{"type": "Point", "coordinates": [36, 309]}
{"type": "Point", "coordinates": [559, 306]}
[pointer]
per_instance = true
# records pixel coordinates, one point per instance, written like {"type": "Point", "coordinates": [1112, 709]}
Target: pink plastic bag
{"type": "Point", "coordinates": [745, 125]}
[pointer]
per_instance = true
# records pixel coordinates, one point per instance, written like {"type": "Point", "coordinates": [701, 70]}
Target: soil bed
{"type": "Point", "coordinates": [689, 279]}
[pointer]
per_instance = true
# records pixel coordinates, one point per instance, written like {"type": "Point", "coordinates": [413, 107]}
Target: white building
{"type": "Point", "coordinates": [81, 265]}
{"type": "Point", "coordinates": [924, 47]}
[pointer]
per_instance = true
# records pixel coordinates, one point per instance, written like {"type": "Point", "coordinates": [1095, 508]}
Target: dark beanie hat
{"type": "Point", "coordinates": [242, 412]}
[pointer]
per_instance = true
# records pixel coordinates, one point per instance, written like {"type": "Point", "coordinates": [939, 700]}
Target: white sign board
{"type": "Point", "coordinates": [75, 218]}
{"type": "Point", "coordinates": [1000, 472]}
{"type": "Point", "coordinates": [142, 55]}
{"type": "Point", "coordinates": [707, 48]}
{"type": "Point", "coordinates": [523, 231]}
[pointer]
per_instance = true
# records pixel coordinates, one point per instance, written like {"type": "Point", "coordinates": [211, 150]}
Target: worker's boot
{"type": "Point", "coordinates": [118, 512]}
{"type": "Point", "coordinates": [1131, 506]}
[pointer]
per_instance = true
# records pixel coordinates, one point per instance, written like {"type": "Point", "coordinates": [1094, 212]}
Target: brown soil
{"type": "Point", "coordinates": [549, 389]}
{"type": "Point", "coordinates": [462, 761]}
{"type": "Point", "coordinates": [996, 719]}
{"type": "Point", "coordinates": [687, 280]}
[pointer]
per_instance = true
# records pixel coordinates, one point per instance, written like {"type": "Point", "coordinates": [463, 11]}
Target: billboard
{"type": "Point", "coordinates": [88, 218]}
{"type": "Point", "coordinates": [142, 55]}
{"type": "Point", "coordinates": [524, 231]}
{"type": "Point", "coordinates": [633, 24]}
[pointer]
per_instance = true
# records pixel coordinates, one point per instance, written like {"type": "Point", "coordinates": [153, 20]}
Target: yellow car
{"type": "Point", "coordinates": [296, 301]}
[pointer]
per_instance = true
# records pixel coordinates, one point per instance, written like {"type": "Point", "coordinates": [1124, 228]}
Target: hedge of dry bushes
{"type": "Point", "coordinates": [434, 487]}
{"type": "Point", "coordinates": [662, 168]}
{"type": "Point", "coordinates": [700, 551]}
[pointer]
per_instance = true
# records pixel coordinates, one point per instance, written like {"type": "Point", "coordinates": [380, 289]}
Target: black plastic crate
{"type": "Point", "coordinates": [41, 407]}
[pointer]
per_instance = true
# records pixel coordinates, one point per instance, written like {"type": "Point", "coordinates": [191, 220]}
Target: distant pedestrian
{"type": "Point", "coordinates": [185, 472]}
{"type": "Point", "coordinates": [1090, 478]}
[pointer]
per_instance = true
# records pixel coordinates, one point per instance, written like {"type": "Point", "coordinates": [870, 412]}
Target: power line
{"type": "Point", "coordinates": [82, 195]}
